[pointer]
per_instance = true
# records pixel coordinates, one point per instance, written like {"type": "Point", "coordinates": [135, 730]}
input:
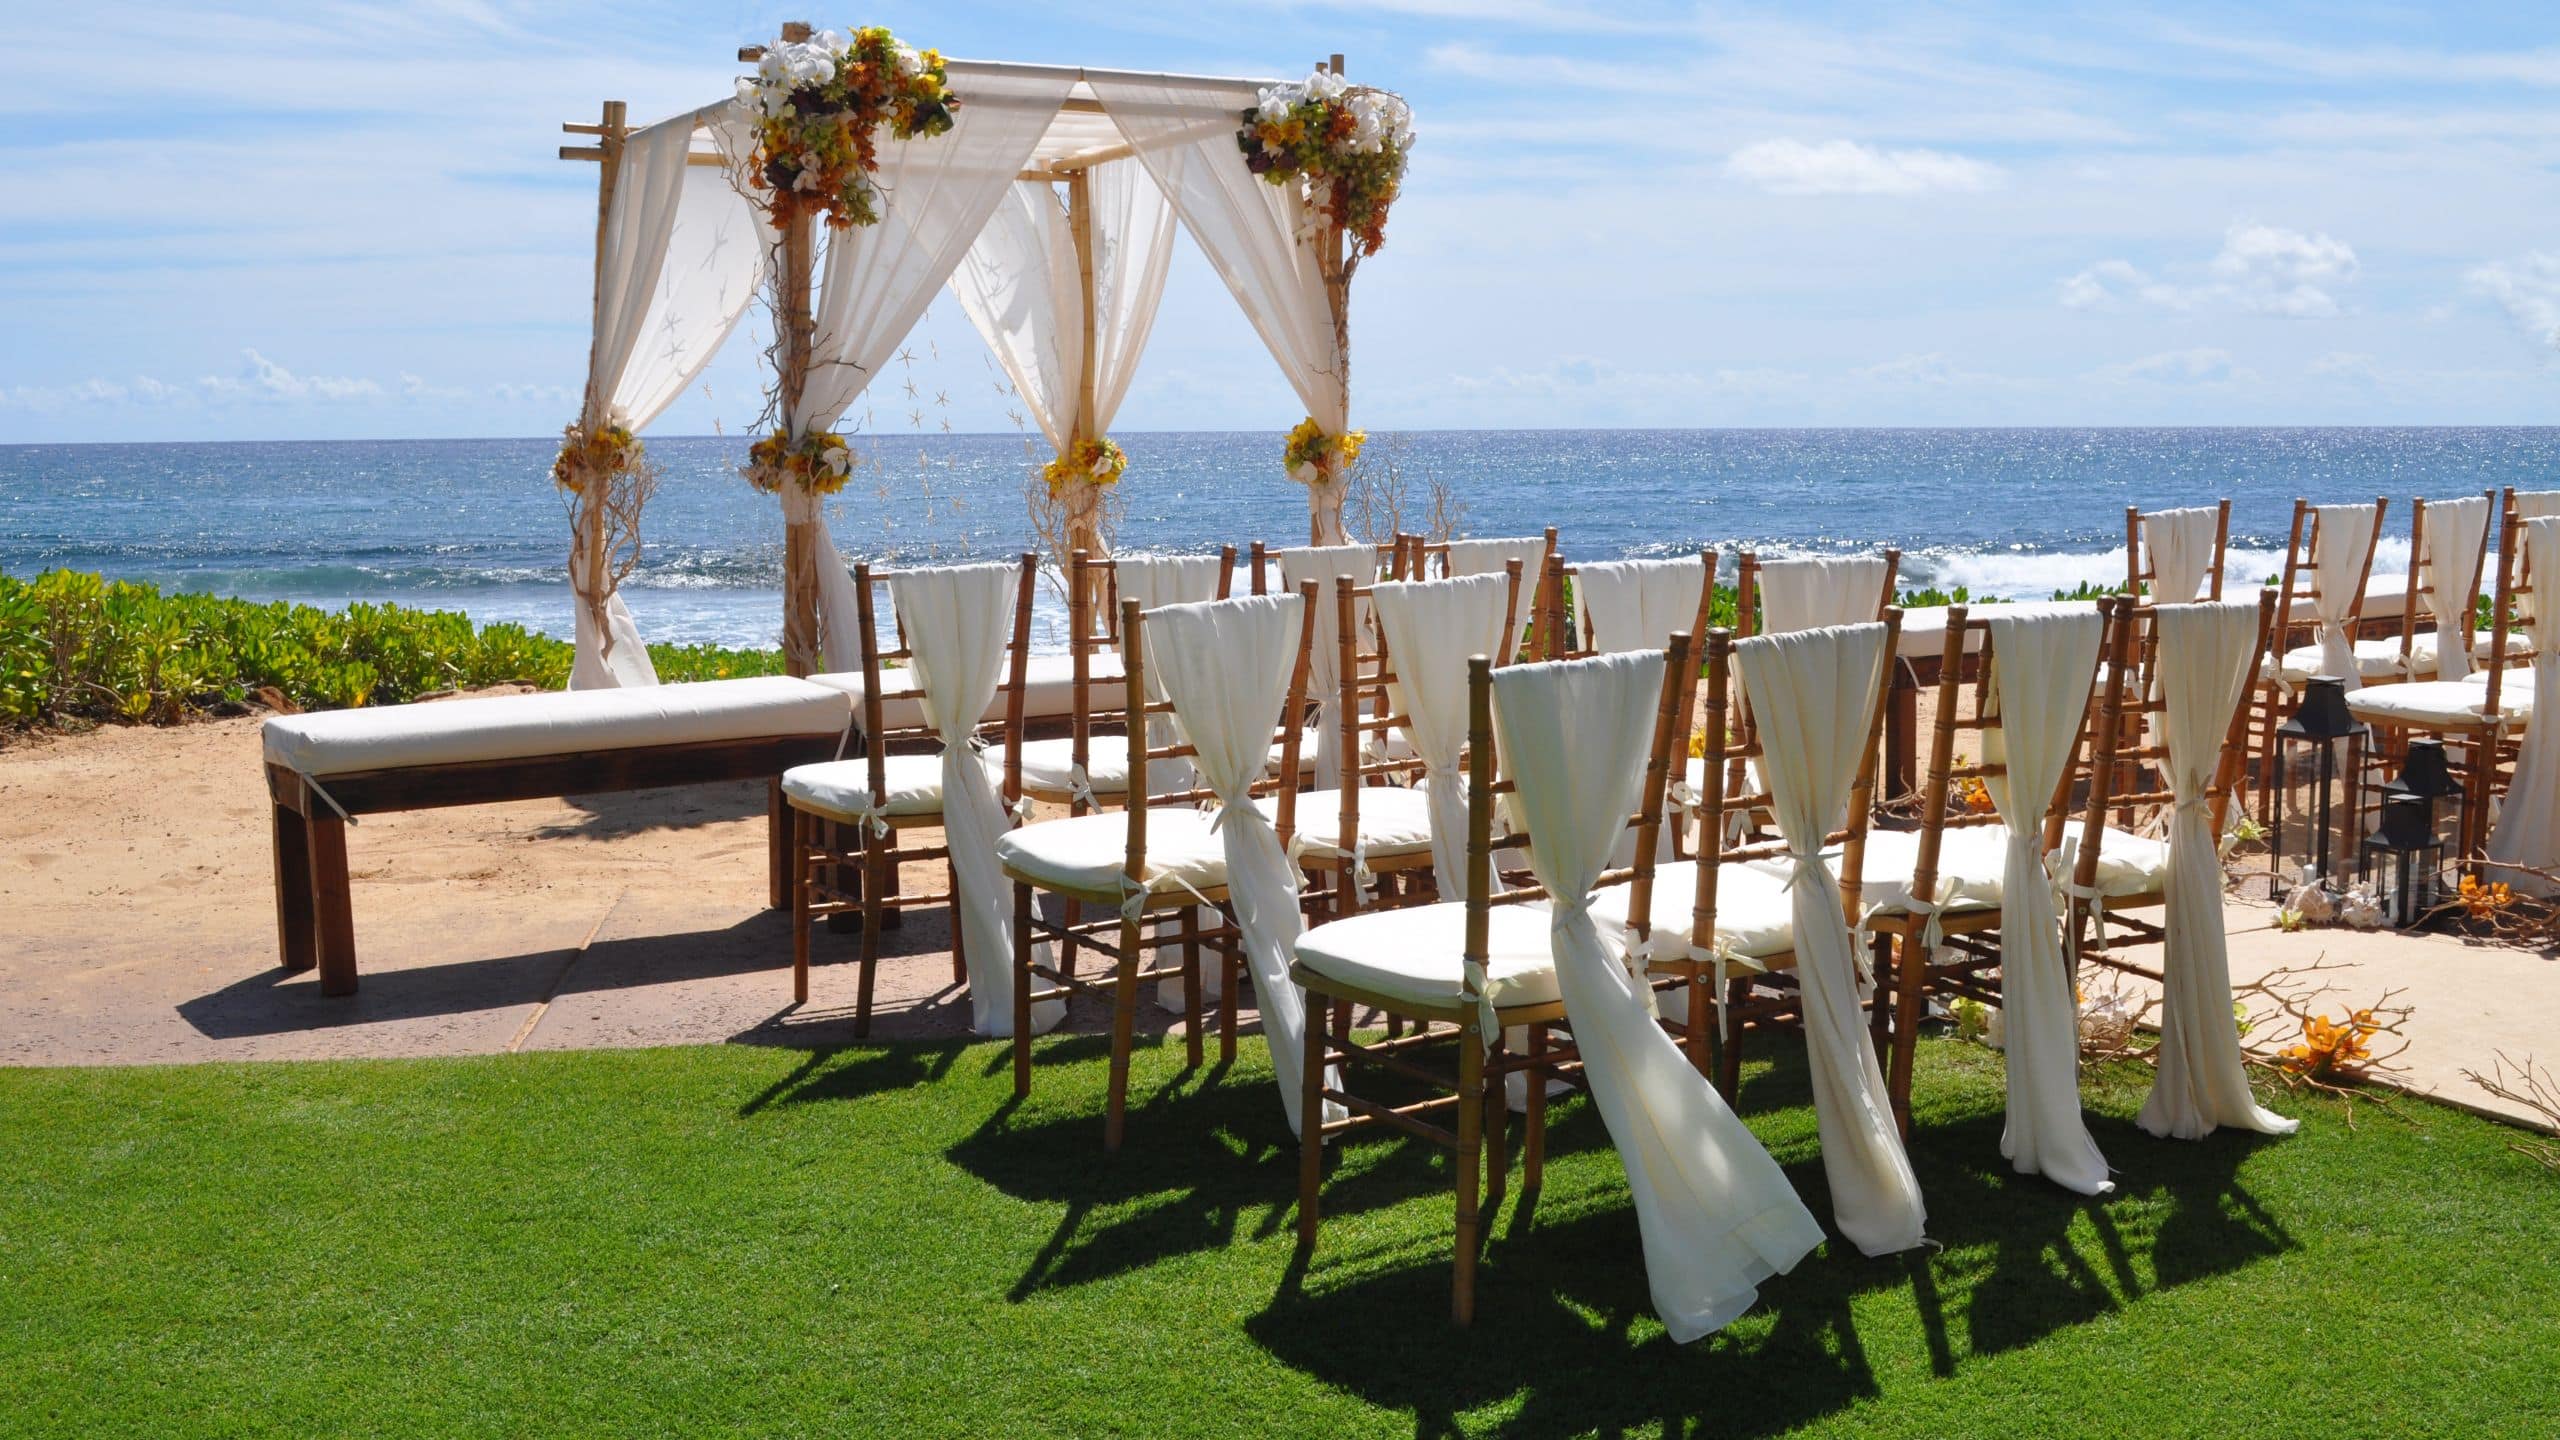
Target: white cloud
{"type": "Point", "coordinates": [1845, 167]}
{"type": "Point", "coordinates": [263, 379]}
{"type": "Point", "coordinates": [2346, 365]}
{"type": "Point", "coordinates": [513, 393]}
{"type": "Point", "coordinates": [2528, 290]}
{"type": "Point", "coordinates": [2260, 270]}
{"type": "Point", "coordinates": [2200, 365]}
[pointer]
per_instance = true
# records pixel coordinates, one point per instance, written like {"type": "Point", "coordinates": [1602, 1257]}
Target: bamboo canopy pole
{"type": "Point", "coordinates": [800, 557]}
{"type": "Point", "coordinates": [1325, 497]}
{"type": "Point", "coordinates": [591, 576]}
{"type": "Point", "coordinates": [1084, 498]}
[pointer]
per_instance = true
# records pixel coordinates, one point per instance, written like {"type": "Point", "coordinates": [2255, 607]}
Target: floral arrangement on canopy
{"type": "Point", "coordinates": [819, 463]}
{"type": "Point", "coordinates": [1097, 462]}
{"type": "Point", "coordinates": [1346, 147]}
{"type": "Point", "coordinates": [820, 104]}
{"type": "Point", "coordinates": [590, 461]}
{"type": "Point", "coordinates": [1312, 455]}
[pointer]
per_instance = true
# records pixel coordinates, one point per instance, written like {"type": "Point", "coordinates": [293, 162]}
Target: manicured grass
{"type": "Point", "coordinates": [763, 1241]}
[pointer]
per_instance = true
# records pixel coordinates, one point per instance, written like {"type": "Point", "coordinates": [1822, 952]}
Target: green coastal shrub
{"type": "Point", "coordinates": [76, 646]}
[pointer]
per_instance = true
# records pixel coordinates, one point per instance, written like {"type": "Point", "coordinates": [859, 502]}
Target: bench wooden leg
{"type": "Point", "coordinates": [332, 912]}
{"type": "Point", "coordinates": [294, 948]}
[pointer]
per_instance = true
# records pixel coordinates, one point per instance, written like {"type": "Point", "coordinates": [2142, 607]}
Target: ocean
{"type": "Point", "coordinates": [475, 525]}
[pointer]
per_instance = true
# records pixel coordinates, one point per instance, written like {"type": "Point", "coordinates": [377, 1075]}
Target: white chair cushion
{"type": "Point", "coordinates": [1306, 752]}
{"type": "Point", "coordinates": [2375, 659]}
{"type": "Point", "coordinates": [2453, 703]}
{"type": "Point", "coordinates": [1755, 916]}
{"type": "Point", "coordinates": [1414, 953]}
{"type": "Point", "coordinates": [1394, 820]}
{"type": "Point", "coordinates": [841, 789]}
{"type": "Point", "coordinates": [1048, 765]}
{"type": "Point", "coordinates": [2128, 864]}
{"type": "Point", "coordinates": [1972, 860]}
{"type": "Point", "coordinates": [1090, 853]}
{"type": "Point", "coordinates": [564, 722]}
{"type": "Point", "coordinates": [1048, 691]}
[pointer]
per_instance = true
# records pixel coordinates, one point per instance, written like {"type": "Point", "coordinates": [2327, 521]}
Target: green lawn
{"type": "Point", "coordinates": [764, 1241]}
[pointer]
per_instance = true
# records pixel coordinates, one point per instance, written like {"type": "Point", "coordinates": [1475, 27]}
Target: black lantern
{"type": "Point", "coordinates": [2320, 720]}
{"type": "Point", "coordinates": [2413, 881]}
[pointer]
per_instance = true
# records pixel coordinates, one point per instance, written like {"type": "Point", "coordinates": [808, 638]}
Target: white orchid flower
{"type": "Point", "coordinates": [832, 42]}
{"type": "Point", "coordinates": [837, 459]}
{"type": "Point", "coordinates": [1325, 85]}
{"type": "Point", "coordinates": [910, 63]}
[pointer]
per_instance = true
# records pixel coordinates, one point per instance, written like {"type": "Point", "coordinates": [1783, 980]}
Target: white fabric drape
{"type": "Point", "coordinates": [2343, 537]}
{"type": "Point", "coordinates": [1638, 604]}
{"type": "Point", "coordinates": [1715, 1213]}
{"type": "Point", "coordinates": [1814, 693]}
{"type": "Point", "coordinates": [958, 620]}
{"type": "Point", "coordinates": [677, 267]}
{"type": "Point", "coordinates": [2043, 667]}
{"type": "Point", "coordinates": [1490, 556]}
{"type": "Point", "coordinates": [1154, 581]}
{"type": "Point", "coordinates": [2206, 653]}
{"type": "Point", "coordinates": [1184, 132]}
{"type": "Point", "coordinates": [1020, 287]}
{"type": "Point", "coordinates": [2181, 545]}
{"type": "Point", "coordinates": [1431, 628]}
{"type": "Point", "coordinates": [875, 281]}
{"type": "Point", "coordinates": [2451, 571]}
{"type": "Point", "coordinates": [1324, 564]}
{"type": "Point", "coordinates": [2528, 830]}
{"type": "Point", "coordinates": [1225, 666]}
{"type": "Point", "coordinates": [2534, 504]}
{"type": "Point", "coordinates": [1807, 591]}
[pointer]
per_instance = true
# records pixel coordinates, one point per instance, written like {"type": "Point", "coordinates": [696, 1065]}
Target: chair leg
{"type": "Point", "coordinates": [1729, 1045]}
{"type": "Point", "coordinates": [1230, 980]}
{"type": "Point", "coordinates": [1701, 1018]}
{"type": "Point", "coordinates": [1191, 986]}
{"type": "Point", "coordinates": [1533, 1129]}
{"type": "Point", "coordinates": [959, 956]}
{"type": "Point", "coordinates": [1880, 1006]}
{"type": "Point", "coordinates": [879, 869]}
{"type": "Point", "coordinates": [801, 862]}
{"type": "Point", "coordinates": [1124, 1026]}
{"type": "Point", "coordinates": [1910, 998]}
{"type": "Point", "coordinates": [1497, 1116]}
{"type": "Point", "coordinates": [1462, 1292]}
{"type": "Point", "coordinates": [1022, 952]}
{"type": "Point", "coordinates": [1311, 1125]}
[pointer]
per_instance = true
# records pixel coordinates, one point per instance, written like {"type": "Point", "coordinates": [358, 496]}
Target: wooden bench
{"type": "Point", "coordinates": [325, 769]}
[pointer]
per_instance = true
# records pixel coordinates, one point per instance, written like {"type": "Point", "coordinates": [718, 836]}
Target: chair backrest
{"type": "Point", "coordinates": [2304, 557]}
{"type": "Point", "coordinates": [1576, 637]}
{"type": "Point", "coordinates": [1456, 558]}
{"type": "Point", "coordinates": [1093, 629]}
{"type": "Point", "coordinates": [2516, 583]}
{"type": "Point", "coordinates": [1136, 705]}
{"type": "Point", "coordinates": [876, 668]}
{"type": "Point", "coordinates": [1751, 592]}
{"type": "Point", "coordinates": [1728, 742]}
{"type": "Point", "coordinates": [2141, 553]}
{"type": "Point", "coordinates": [1488, 779]}
{"type": "Point", "coordinates": [1954, 793]}
{"type": "Point", "coordinates": [2425, 576]}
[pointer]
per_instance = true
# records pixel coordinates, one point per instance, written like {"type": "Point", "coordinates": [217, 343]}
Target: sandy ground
{"type": "Point", "coordinates": [137, 925]}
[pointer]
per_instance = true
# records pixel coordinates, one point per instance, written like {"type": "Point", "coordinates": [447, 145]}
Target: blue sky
{"type": "Point", "coordinates": [345, 220]}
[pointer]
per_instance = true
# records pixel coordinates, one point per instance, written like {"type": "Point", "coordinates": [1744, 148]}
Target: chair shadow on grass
{"type": "Point", "coordinates": [1558, 1295]}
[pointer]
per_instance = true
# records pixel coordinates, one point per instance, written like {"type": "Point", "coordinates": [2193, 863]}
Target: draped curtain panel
{"type": "Point", "coordinates": [1815, 590]}
{"type": "Point", "coordinates": [2451, 571]}
{"type": "Point", "coordinates": [2043, 667]}
{"type": "Point", "coordinates": [1184, 132]}
{"type": "Point", "coordinates": [958, 620]}
{"type": "Point", "coordinates": [1324, 564]}
{"type": "Point", "coordinates": [2528, 830]}
{"type": "Point", "coordinates": [875, 281]}
{"type": "Point", "coordinates": [1226, 669]}
{"type": "Point", "coordinates": [1020, 287]}
{"type": "Point", "coordinates": [1814, 693]}
{"type": "Point", "coordinates": [2341, 537]}
{"type": "Point", "coordinates": [678, 266]}
{"type": "Point", "coordinates": [1431, 629]}
{"type": "Point", "coordinates": [1637, 604]}
{"type": "Point", "coordinates": [2181, 545]}
{"type": "Point", "coordinates": [1715, 1214]}
{"type": "Point", "coordinates": [2206, 653]}
{"type": "Point", "coordinates": [1493, 557]}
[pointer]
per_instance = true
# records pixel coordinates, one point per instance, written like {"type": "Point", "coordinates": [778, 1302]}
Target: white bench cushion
{"type": "Point", "coordinates": [1090, 853]}
{"type": "Point", "coordinates": [2453, 703]}
{"type": "Point", "coordinates": [1394, 821]}
{"type": "Point", "coordinates": [1924, 627]}
{"type": "Point", "coordinates": [564, 722]}
{"type": "Point", "coordinates": [1048, 691]}
{"type": "Point", "coordinates": [841, 789]}
{"type": "Point", "coordinates": [1415, 953]}
{"type": "Point", "coordinates": [1755, 916]}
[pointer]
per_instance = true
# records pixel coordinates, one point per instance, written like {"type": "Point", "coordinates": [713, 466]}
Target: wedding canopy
{"type": "Point", "coordinates": [1046, 198]}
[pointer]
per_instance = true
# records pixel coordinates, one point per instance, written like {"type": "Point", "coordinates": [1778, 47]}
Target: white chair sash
{"type": "Point", "coordinates": [2451, 569]}
{"type": "Point", "coordinates": [1716, 1214]}
{"type": "Point", "coordinates": [1431, 628]}
{"type": "Point", "coordinates": [1814, 693]}
{"type": "Point", "coordinates": [1154, 581]}
{"type": "Point", "coordinates": [1225, 666]}
{"type": "Point", "coordinates": [1324, 564]}
{"type": "Point", "coordinates": [2205, 656]}
{"type": "Point", "coordinates": [2340, 540]}
{"type": "Point", "coordinates": [1638, 604]}
{"type": "Point", "coordinates": [2528, 830]}
{"type": "Point", "coordinates": [2534, 504]}
{"type": "Point", "coordinates": [1807, 591]}
{"type": "Point", "coordinates": [958, 619]}
{"type": "Point", "coordinates": [2181, 545]}
{"type": "Point", "coordinates": [1493, 557]}
{"type": "Point", "coordinates": [2042, 669]}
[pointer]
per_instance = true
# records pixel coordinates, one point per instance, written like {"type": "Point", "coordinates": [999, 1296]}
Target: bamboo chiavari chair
{"type": "Point", "coordinates": [2141, 570]}
{"type": "Point", "coordinates": [1147, 866]}
{"type": "Point", "coordinates": [2413, 663]}
{"type": "Point", "coordinates": [1410, 964]}
{"type": "Point", "coordinates": [848, 815]}
{"type": "Point", "coordinates": [2292, 653]}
